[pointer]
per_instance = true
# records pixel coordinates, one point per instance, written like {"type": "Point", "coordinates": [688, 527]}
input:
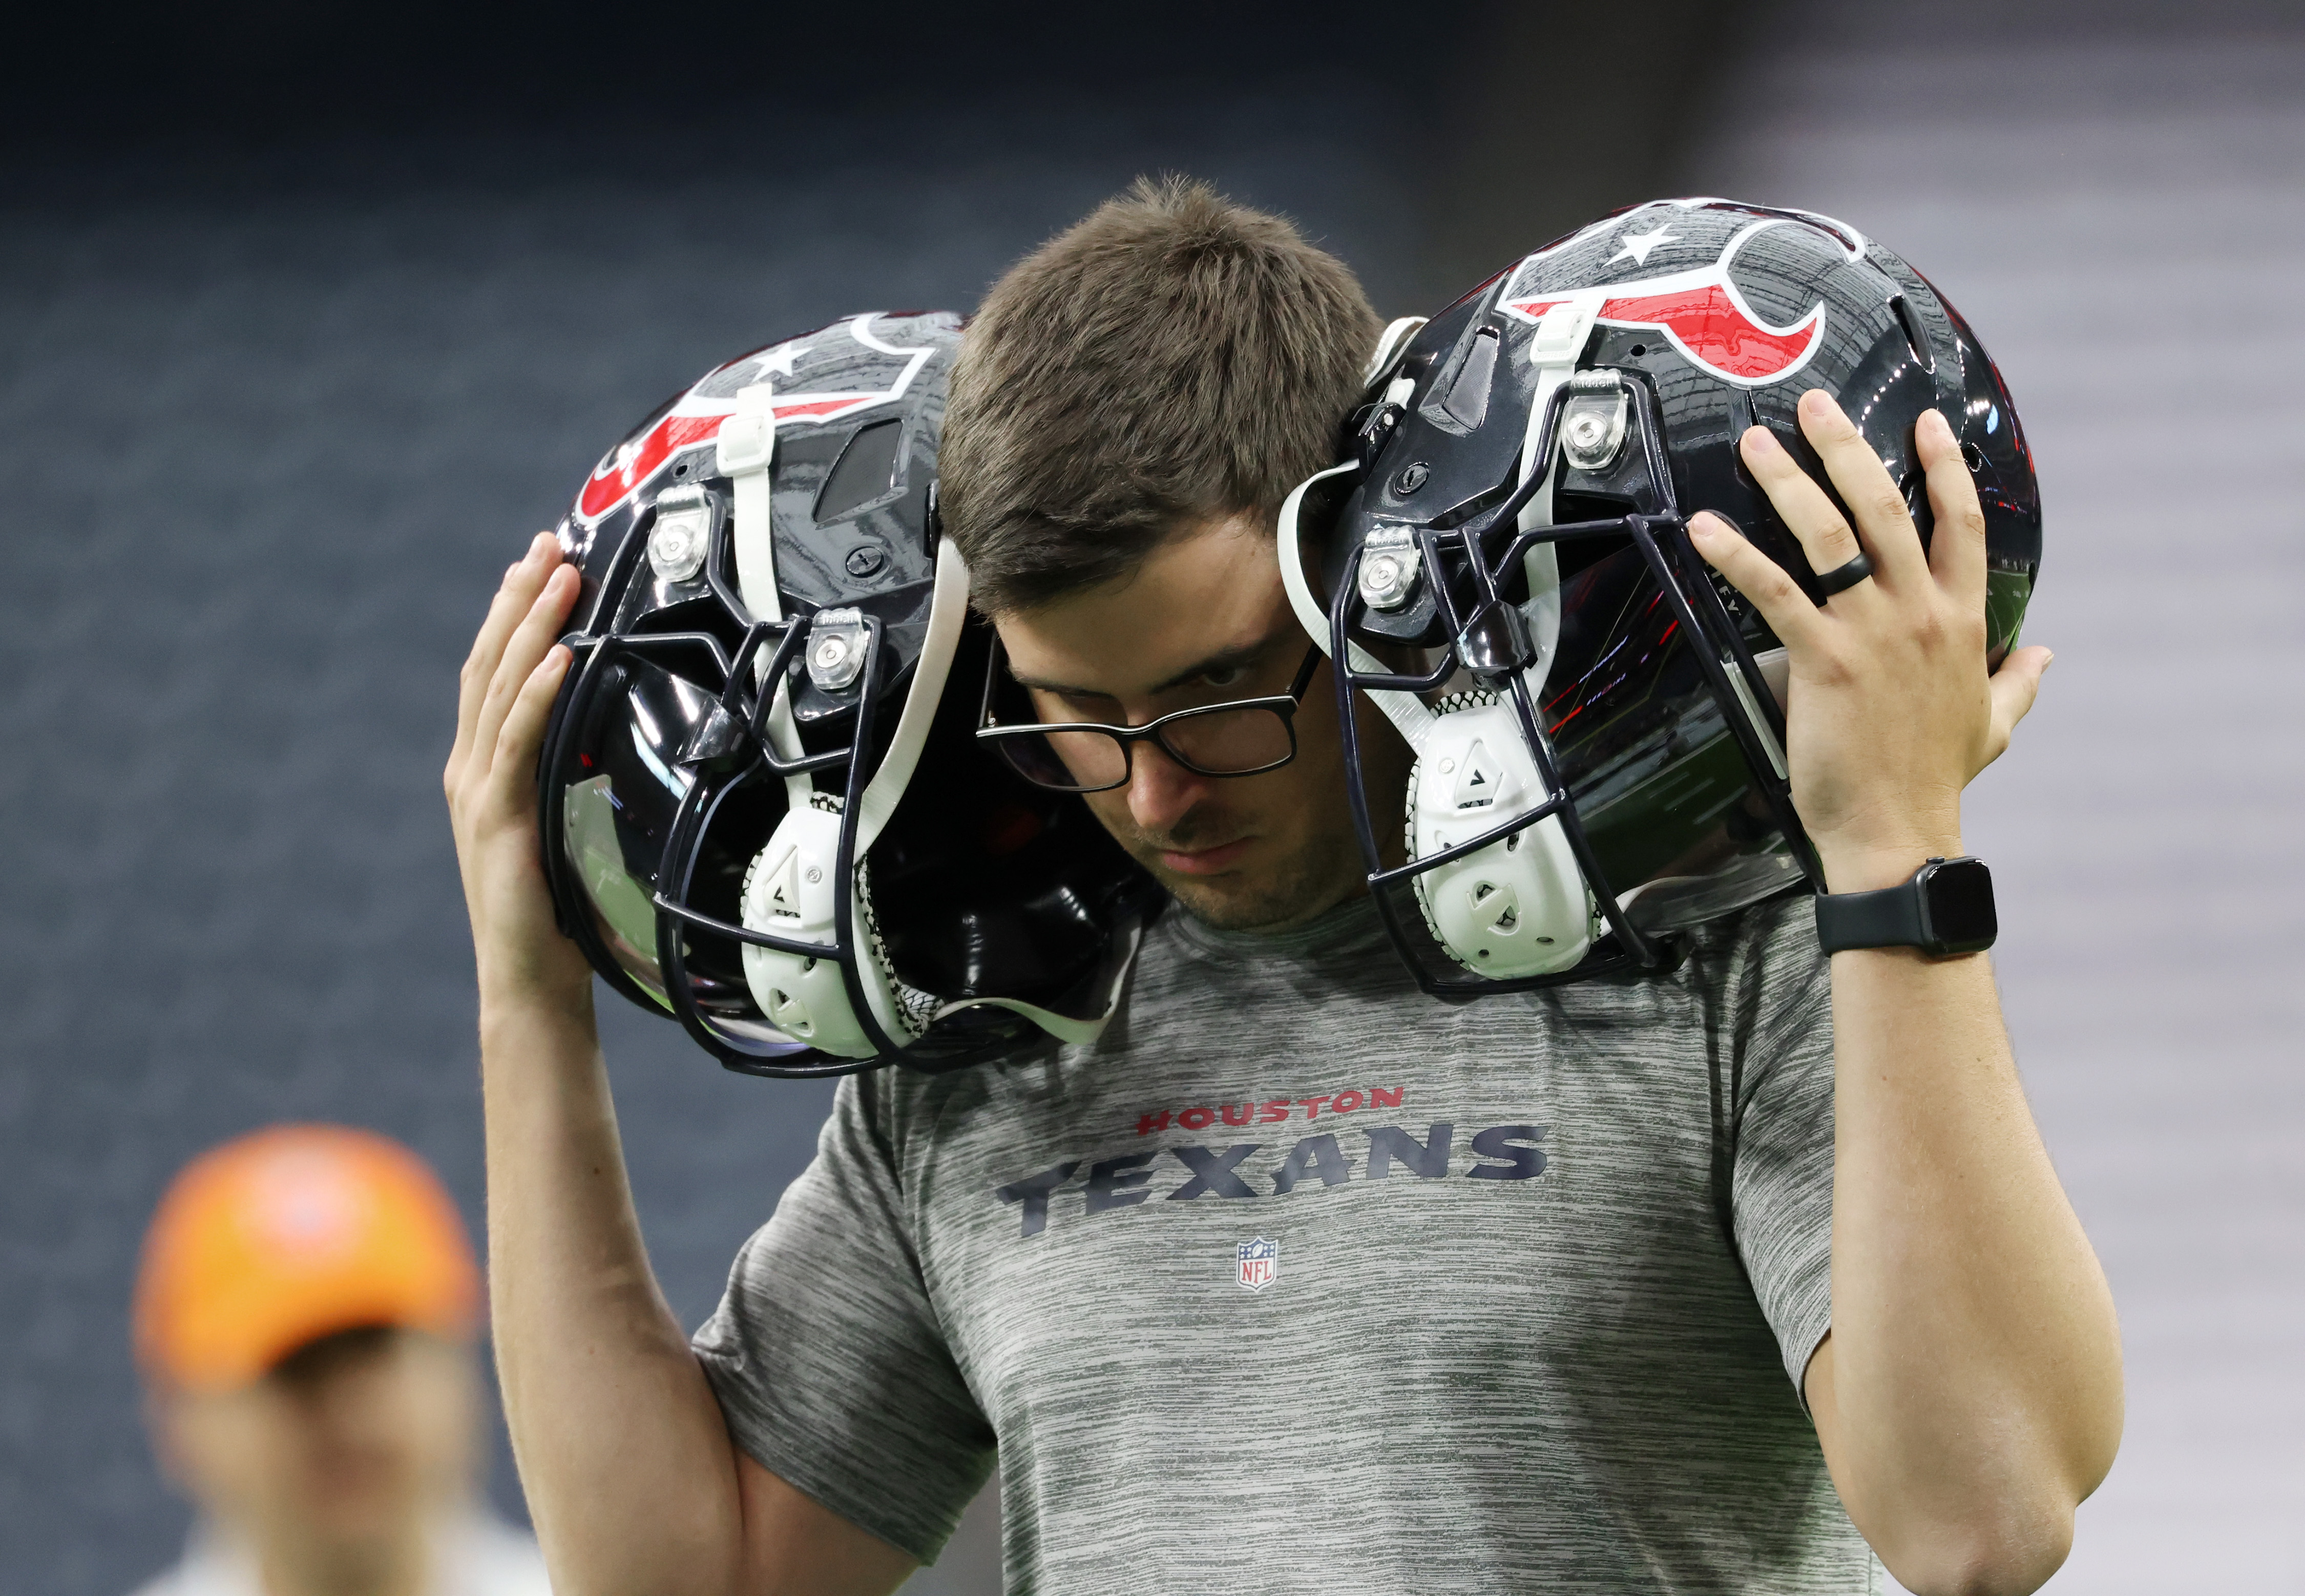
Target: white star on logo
{"type": "Point", "coordinates": [1639, 245]}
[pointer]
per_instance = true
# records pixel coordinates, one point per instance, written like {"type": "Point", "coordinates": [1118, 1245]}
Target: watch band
{"type": "Point", "coordinates": [1890, 917]}
{"type": "Point", "coordinates": [1944, 909]}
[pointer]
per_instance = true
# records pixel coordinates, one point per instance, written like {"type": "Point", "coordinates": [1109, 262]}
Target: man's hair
{"type": "Point", "coordinates": [1173, 358]}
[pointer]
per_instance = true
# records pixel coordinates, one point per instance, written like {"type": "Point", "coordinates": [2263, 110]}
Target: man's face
{"type": "Point", "coordinates": [1204, 621]}
{"type": "Point", "coordinates": [330, 1465]}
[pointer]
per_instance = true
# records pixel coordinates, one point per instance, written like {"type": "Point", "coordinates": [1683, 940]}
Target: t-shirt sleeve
{"type": "Point", "coordinates": [1781, 1182]}
{"type": "Point", "coordinates": [827, 1354]}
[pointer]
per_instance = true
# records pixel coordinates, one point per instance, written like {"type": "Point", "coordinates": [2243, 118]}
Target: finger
{"type": "Point", "coordinates": [1779, 599]}
{"type": "Point", "coordinates": [1803, 505]}
{"type": "Point", "coordinates": [504, 610]}
{"type": "Point", "coordinates": [530, 642]}
{"type": "Point", "coordinates": [522, 733]}
{"type": "Point", "coordinates": [1957, 544]}
{"type": "Point", "coordinates": [1884, 523]}
{"type": "Point", "coordinates": [2015, 686]}
{"type": "Point", "coordinates": [522, 580]}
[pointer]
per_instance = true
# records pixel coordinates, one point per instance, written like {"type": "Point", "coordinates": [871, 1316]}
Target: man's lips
{"type": "Point", "coordinates": [1205, 861]}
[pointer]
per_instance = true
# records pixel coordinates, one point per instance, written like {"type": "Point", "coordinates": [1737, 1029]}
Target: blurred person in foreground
{"type": "Point", "coordinates": [305, 1318]}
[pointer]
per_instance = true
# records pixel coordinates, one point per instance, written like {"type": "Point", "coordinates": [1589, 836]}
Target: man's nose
{"type": "Point", "coordinates": [1160, 791]}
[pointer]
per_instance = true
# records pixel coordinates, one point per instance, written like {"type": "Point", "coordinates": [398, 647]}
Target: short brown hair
{"type": "Point", "coordinates": [1172, 358]}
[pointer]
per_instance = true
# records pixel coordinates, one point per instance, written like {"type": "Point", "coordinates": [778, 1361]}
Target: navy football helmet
{"type": "Point", "coordinates": [1501, 565]}
{"type": "Point", "coordinates": [761, 812]}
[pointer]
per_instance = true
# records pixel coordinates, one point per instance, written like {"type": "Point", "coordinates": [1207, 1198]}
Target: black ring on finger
{"type": "Point", "coordinates": [1842, 578]}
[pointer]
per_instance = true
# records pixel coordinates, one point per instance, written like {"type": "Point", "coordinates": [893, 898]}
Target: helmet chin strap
{"type": "Point", "coordinates": [1407, 712]}
{"type": "Point", "coordinates": [1520, 906]}
{"type": "Point", "coordinates": [790, 885]}
{"type": "Point", "coordinates": [1562, 335]}
{"type": "Point", "coordinates": [746, 450]}
{"type": "Point", "coordinates": [1388, 346]}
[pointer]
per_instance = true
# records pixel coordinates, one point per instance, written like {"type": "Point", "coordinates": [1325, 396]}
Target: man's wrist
{"type": "Point", "coordinates": [520, 995]}
{"type": "Point", "coordinates": [1871, 868]}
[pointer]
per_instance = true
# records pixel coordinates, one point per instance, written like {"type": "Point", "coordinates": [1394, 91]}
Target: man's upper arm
{"type": "Point", "coordinates": [796, 1546]}
{"type": "Point", "coordinates": [1784, 1168]}
{"type": "Point", "coordinates": [1817, 1390]}
{"type": "Point", "coordinates": [828, 1358]}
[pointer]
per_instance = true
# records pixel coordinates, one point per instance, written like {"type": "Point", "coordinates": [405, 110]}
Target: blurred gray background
{"type": "Point", "coordinates": [306, 324]}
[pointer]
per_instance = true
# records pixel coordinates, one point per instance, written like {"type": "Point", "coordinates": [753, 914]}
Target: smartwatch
{"type": "Point", "coordinates": [1946, 908]}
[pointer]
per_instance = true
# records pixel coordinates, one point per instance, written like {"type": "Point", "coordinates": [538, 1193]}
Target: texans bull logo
{"type": "Point", "coordinates": [1700, 312]}
{"type": "Point", "coordinates": [695, 416]}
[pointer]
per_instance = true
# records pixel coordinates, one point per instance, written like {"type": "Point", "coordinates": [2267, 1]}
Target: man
{"type": "Point", "coordinates": [305, 1317]}
{"type": "Point", "coordinates": [1630, 1281]}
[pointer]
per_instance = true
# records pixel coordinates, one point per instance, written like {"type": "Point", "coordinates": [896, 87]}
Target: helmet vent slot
{"type": "Point", "coordinates": [1464, 400]}
{"type": "Point", "coordinates": [865, 472]}
{"type": "Point", "coordinates": [1914, 337]}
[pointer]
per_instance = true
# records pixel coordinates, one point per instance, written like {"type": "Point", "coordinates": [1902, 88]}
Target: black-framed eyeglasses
{"type": "Point", "coordinates": [1241, 737]}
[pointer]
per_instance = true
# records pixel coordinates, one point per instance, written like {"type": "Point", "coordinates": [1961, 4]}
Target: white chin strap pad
{"type": "Point", "coordinates": [1518, 907]}
{"type": "Point", "coordinates": [788, 888]}
{"type": "Point", "coordinates": [789, 891]}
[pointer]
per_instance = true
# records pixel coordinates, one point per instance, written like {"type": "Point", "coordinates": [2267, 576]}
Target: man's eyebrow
{"type": "Point", "coordinates": [1228, 659]}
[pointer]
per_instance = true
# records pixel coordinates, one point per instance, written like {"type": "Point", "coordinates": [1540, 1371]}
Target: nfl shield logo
{"type": "Point", "coordinates": [1260, 1260]}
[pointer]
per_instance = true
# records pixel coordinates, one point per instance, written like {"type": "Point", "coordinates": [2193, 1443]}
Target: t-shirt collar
{"type": "Point", "coordinates": [1352, 927]}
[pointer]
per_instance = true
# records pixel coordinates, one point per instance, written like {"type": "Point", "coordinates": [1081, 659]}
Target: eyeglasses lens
{"type": "Point", "coordinates": [1228, 741]}
{"type": "Point", "coordinates": [1081, 760]}
{"type": "Point", "coordinates": [1223, 742]}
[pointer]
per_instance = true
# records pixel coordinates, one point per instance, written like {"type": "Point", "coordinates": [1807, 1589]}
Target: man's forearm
{"type": "Point", "coordinates": [1970, 1395]}
{"type": "Point", "coordinates": [629, 1470]}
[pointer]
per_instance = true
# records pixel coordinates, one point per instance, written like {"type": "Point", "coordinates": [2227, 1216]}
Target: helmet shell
{"type": "Point", "coordinates": [1710, 316]}
{"type": "Point", "coordinates": [657, 795]}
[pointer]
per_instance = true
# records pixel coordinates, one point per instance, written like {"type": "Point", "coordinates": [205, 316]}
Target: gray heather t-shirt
{"type": "Point", "coordinates": [1298, 1280]}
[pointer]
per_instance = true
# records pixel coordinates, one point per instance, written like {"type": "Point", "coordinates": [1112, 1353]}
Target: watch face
{"type": "Point", "coordinates": [1957, 897]}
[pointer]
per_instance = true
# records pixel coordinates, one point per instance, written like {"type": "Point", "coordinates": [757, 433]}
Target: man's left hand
{"type": "Point", "coordinates": [1891, 708]}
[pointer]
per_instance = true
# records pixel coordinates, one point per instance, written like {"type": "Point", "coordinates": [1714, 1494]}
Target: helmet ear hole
{"type": "Point", "coordinates": [788, 1016]}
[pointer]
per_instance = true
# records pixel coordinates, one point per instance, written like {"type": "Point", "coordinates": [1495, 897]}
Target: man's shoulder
{"type": "Point", "coordinates": [1772, 940]}
{"type": "Point", "coordinates": [1743, 971]}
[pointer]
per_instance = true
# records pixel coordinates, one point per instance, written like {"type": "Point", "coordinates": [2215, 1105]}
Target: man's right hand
{"type": "Point", "coordinates": [631, 1477]}
{"type": "Point", "coordinates": [503, 702]}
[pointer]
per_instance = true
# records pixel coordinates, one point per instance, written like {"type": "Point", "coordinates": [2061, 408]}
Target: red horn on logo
{"type": "Point", "coordinates": [1704, 317]}
{"type": "Point", "coordinates": [1712, 327]}
{"type": "Point", "coordinates": [635, 463]}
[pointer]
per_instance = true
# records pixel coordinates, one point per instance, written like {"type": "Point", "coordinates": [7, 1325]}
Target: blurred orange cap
{"type": "Point", "coordinates": [291, 1233]}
